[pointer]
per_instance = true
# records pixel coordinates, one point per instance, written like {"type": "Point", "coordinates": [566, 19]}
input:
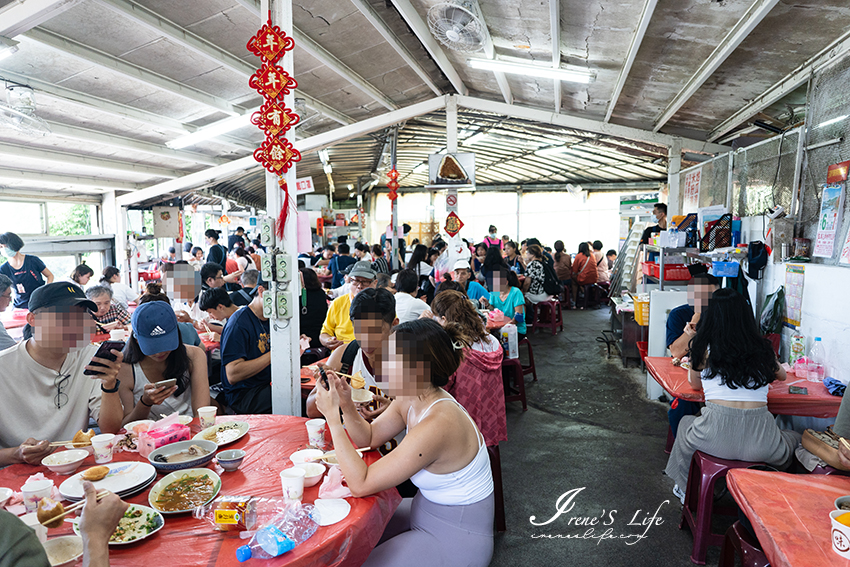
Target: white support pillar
{"type": "Point", "coordinates": [674, 166]}
{"type": "Point", "coordinates": [115, 222]}
{"type": "Point", "coordinates": [394, 224]}
{"type": "Point", "coordinates": [451, 124]}
{"type": "Point", "coordinates": [286, 354]}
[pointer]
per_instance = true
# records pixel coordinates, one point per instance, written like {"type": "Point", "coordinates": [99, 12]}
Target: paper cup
{"type": "Point", "coordinates": [102, 445]}
{"type": "Point", "coordinates": [316, 433]}
{"type": "Point", "coordinates": [34, 491]}
{"type": "Point", "coordinates": [206, 415]}
{"type": "Point", "coordinates": [116, 335]}
{"type": "Point", "coordinates": [292, 483]}
{"type": "Point", "coordinates": [840, 534]}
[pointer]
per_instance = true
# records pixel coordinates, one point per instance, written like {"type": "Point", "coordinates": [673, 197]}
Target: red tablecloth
{"type": "Point", "coordinates": [210, 346]}
{"type": "Point", "coordinates": [186, 541]}
{"type": "Point", "coordinates": [790, 514]}
{"type": "Point", "coordinates": [817, 403]}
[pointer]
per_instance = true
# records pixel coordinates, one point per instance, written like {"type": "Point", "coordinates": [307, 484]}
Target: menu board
{"type": "Point", "coordinates": [690, 200]}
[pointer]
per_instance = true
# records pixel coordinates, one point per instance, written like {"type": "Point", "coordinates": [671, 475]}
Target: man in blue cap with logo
{"type": "Point", "coordinates": [44, 393]}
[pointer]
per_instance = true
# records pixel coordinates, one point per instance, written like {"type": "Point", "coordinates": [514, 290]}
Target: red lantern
{"type": "Point", "coordinates": [277, 155]}
{"type": "Point", "coordinates": [270, 43]}
{"type": "Point", "coordinates": [271, 81]}
{"type": "Point", "coordinates": [393, 174]}
{"type": "Point", "coordinates": [392, 184]}
{"type": "Point", "coordinates": [274, 118]}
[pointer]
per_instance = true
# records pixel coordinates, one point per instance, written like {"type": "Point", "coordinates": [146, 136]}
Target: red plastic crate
{"type": "Point", "coordinates": [672, 272]}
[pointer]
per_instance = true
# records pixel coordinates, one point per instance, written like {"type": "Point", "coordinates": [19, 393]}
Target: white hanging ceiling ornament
{"type": "Point", "coordinates": [18, 113]}
{"type": "Point", "coordinates": [458, 25]}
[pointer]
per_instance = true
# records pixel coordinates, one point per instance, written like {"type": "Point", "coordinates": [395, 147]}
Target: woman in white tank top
{"type": "Point", "coordinates": [450, 521]}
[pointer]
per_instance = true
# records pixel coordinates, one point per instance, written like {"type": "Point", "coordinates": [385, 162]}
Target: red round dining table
{"type": "Point", "coordinates": [187, 541]}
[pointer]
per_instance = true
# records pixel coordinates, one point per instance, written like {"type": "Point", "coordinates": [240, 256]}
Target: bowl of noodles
{"type": "Point", "coordinates": [183, 491]}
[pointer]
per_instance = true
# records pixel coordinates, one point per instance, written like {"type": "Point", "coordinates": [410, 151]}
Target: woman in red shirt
{"type": "Point", "coordinates": [583, 269]}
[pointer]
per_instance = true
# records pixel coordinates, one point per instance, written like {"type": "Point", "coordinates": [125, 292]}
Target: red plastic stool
{"type": "Point", "coordinates": [705, 471]}
{"type": "Point", "coordinates": [530, 368]}
{"type": "Point", "coordinates": [498, 494]}
{"type": "Point", "coordinates": [738, 541]}
{"type": "Point", "coordinates": [550, 315]}
{"type": "Point", "coordinates": [512, 369]}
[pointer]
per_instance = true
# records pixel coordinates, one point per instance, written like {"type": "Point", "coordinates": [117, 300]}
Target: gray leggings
{"type": "Point", "coordinates": [424, 534]}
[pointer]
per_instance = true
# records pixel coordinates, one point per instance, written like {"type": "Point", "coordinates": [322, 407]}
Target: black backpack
{"type": "Point", "coordinates": [551, 283]}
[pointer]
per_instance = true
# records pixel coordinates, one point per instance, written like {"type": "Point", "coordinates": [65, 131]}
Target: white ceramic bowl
{"type": "Point", "coordinates": [312, 472]}
{"type": "Point", "coordinates": [5, 494]}
{"type": "Point", "coordinates": [179, 447]}
{"type": "Point", "coordinates": [65, 462]}
{"type": "Point", "coordinates": [231, 459]}
{"type": "Point", "coordinates": [64, 550]}
{"type": "Point", "coordinates": [305, 455]}
{"type": "Point", "coordinates": [842, 500]}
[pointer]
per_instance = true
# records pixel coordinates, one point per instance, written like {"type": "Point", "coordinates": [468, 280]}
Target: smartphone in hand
{"type": "Point", "coordinates": [165, 383]}
{"type": "Point", "coordinates": [104, 352]}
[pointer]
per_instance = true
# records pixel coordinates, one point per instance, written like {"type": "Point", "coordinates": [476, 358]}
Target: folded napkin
{"type": "Point", "coordinates": [835, 387]}
{"type": "Point", "coordinates": [332, 486]}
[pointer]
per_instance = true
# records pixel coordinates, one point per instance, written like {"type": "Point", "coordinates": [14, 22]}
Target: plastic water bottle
{"type": "Point", "coordinates": [673, 234]}
{"type": "Point", "coordinates": [281, 535]}
{"type": "Point", "coordinates": [815, 369]}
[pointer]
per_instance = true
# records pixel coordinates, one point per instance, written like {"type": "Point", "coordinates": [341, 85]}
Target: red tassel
{"type": "Point", "coordinates": [284, 210]}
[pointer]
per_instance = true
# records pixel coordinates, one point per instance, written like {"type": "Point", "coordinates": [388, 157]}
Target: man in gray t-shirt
{"type": "Point", "coordinates": [5, 299]}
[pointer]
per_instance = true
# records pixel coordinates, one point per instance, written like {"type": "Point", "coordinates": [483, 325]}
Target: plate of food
{"type": "Point", "coordinates": [224, 433]}
{"type": "Point", "coordinates": [182, 455]}
{"type": "Point", "coordinates": [119, 477]}
{"type": "Point", "coordinates": [139, 522]}
{"type": "Point", "coordinates": [183, 491]}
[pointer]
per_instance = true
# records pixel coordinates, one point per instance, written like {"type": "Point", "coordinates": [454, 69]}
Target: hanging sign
{"type": "Point", "coordinates": [274, 118]}
{"type": "Point", "coordinates": [451, 201]}
{"type": "Point", "coordinates": [453, 224]}
{"type": "Point", "coordinates": [166, 222]}
{"type": "Point", "coordinates": [690, 199]}
{"type": "Point", "coordinates": [832, 203]}
{"type": "Point", "coordinates": [304, 185]}
{"type": "Point", "coordinates": [277, 155]}
{"type": "Point", "coordinates": [451, 169]}
{"type": "Point", "coordinates": [271, 81]}
{"type": "Point", "coordinates": [392, 184]}
{"type": "Point", "coordinates": [270, 43]}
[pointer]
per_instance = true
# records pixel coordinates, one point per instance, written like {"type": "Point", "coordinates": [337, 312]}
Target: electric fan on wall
{"type": "Point", "coordinates": [457, 25]}
{"type": "Point", "coordinates": [18, 113]}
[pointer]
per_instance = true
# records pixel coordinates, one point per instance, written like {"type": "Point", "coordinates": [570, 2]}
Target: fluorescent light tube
{"type": "Point", "coordinates": [571, 75]}
{"type": "Point", "coordinates": [833, 121]}
{"type": "Point", "coordinates": [212, 130]}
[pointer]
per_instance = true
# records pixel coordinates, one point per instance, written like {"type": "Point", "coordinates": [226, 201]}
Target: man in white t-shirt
{"type": "Point", "coordinates": [408, 307]}
{"type": "Point", "coordinates": [44, 394]}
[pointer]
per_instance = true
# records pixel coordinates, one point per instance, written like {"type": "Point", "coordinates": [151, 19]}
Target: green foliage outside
{"type": "Point", "coordinates": [69, 220]}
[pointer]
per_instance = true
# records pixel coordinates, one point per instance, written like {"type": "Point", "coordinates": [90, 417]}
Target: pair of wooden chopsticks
{"type": "Point", "coordinates": [333, 454]}
{"type": "Point", "coordinates": [845, 443]}
{"type": "Point", "coordinates": [63, 443]}
{"type": "Point", "coordinates": [74, 508]}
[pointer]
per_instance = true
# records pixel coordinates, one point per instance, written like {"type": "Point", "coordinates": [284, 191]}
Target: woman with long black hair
{"type": "Point", "coordinates": [155, 353]}
{"type": "Point", "coordinates": [734, 365]}
{"type": "Point", "coordinates": [493, 262]}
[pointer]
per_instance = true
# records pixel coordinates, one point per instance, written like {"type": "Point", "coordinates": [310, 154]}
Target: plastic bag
{"type": "Point", "coordinates": [510, 340]}
{"type": "Point", "coordinates": [241, 513]}
{"type": "Point", "coordinates": [773, 313]}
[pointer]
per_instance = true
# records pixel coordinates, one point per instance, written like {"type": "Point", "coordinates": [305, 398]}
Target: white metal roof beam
{"type": "Point", "coordinates": [555, 31]}
{"type": "Point", "coordinates": [305, 145]}
{"type": "Point", "coordinates": [640, 32]}
{"type": "Point", "coordinates": [420, 29]}
{"type": "Point", "coordinates": [382, 28]}
{"type": "Point", "coordinates": [331, 62]}
{"type": "Point", "coordinates": [56, 157]}
{"type": "Point", "coordinates": [490, 53]}
{"type": "Point", "coordinates": [831, 54]}
{"type": "Point", "coordinates": [584, 124]}
{"type": "Point", "coordinates": [70, 180]}
{"type": "Point", "coordinates": [739, 32]}
{"type": "Point", "coordinates": [120, 142]}
{"type": "Point", "coordinates": [19, 16]}
{"type": "Point", "coordinates": [97, 57]}
{"type": "Point", "coordinates": [201, 46]}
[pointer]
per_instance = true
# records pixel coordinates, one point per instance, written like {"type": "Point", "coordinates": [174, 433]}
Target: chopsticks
{"type": "Point", "coordinates": [333, 454]}
{"type": "Point", "coordinates": [74, 508]}
{"type": "Point", "coordinates": [845, 443]}
{"type": "Point", "coordinates": [63, 443]}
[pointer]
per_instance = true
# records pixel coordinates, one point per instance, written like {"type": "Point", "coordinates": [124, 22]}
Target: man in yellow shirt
{"type": "Point", "coordinates": [338, 328]}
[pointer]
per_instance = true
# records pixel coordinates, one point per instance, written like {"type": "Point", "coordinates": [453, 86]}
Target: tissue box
{"type": "Point", "coordinates": [156, 438]}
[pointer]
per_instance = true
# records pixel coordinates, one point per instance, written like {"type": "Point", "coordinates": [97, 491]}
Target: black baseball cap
{"type": "Point", "coordinates": [59, 295]}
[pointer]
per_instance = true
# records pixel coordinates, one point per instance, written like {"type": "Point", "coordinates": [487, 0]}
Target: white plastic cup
{"type": "Point", "coordinates": [102, 445]}
{"type": "Point", "coordinates": [206, 415]}
{"type": "Point", "coordinates": [116, 335]}
{"type": "Point", "coordinates": [292, 483]}
{"type": "Point", "coordinates": [840, 535]}
{"type": "Point", "coordinates": [34, 491]}
{"type": "Point", "coordinates": [316, 433]}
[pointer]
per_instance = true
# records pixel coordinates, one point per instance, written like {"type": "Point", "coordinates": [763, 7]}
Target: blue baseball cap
{"type": "Point", "coordinates": [155, 327]}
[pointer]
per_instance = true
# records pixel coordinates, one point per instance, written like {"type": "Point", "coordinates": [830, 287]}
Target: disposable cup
{"type": "Point", "coordinates": [292, 483]}
{"type": "Point", "coordinates": [34, 491]}
{"type": "Point", "coordinates": [116, 335]}
{"type": "Point", "coordinates": [316, 433]}
{"type": "Point", "coordinates": [840, 534]}
{"type": "Point", "coordinates": [206, 415]}
{"type": "Point", "coordinates": [102, 445]}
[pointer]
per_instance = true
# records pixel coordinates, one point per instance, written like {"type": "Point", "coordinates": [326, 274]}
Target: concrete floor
{"type": "Point", "coordinates": [588, 426]}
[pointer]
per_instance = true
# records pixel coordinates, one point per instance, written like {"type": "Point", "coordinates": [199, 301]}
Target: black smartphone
{"type": "Point", "coordinates": [104, 352]}
{"type": "Point", "coordinates": [798, 390]}
{"type": "Point", "coordinates": [324, 377]}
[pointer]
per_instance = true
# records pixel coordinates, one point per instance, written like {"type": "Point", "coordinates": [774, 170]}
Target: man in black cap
{"type": "Point", "coordinates": [44, 393]}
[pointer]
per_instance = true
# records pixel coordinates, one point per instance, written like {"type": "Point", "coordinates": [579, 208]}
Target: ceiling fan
{"type": "Point", "coordinates": [18, 113]}
{"type": "Point", "coordinates": [458, 25]}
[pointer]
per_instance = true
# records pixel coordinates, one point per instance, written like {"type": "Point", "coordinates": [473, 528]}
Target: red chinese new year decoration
{"type": "Point", "coordinates": [277, 155]}
{"type": "Point", "coordinates": [274, 118]}
{"type": "Point", "coordinates": [392, 184]}
{"type": "Point", "coordinates": [270, 43]}
{"type": "Point", "coordinates": [271, 81]}
{"type": "Point", "coordinates": [393, 174]}
{"type": "Point", "coordinates": [453, 224]}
